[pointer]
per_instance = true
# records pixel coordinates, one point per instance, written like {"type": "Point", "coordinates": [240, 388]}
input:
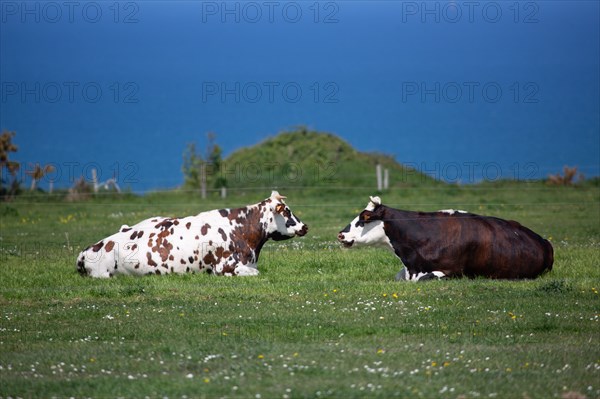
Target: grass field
{"type": "Point", "coordinates": [319, 321]}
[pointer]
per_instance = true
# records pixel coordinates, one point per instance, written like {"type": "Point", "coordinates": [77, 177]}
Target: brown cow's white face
{"type": "Point", "coordinates": [361, 232]}
{"type": "Point", "coordinates": [283, 224]}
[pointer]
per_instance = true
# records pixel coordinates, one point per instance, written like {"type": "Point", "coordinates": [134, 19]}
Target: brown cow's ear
{"type": "Point", "coordinates": [279, 208]}
{"type": "Point", "coordinates": [367, 216]}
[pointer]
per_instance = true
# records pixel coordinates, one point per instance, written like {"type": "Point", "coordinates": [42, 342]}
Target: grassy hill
{"type": "Point", "coordinates": [304, 158]}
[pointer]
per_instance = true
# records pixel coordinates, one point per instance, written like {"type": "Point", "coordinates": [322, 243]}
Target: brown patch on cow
{"type": "Point", "coordinates": [188, 225]}
{"type": "Point", "coordinates": [182, 261]}
{"type": "Point", "coordinates": [197, 238]}
{"type": "Point", "coordinates": [151, 235]}
{"type": "Point", "coordinates": [171, 257]}
{"type": "Point", "coordinates": [176, 222]}
{"type": "Point", "coordinates": [164, 250]}
{"type": "Point", "coordinates": [98, 246]}
{"type": "Point", "coordinates": [248, 238]}
{"type": "Point", "coordinates": [204, 229]}
{"type": "Point", "coordinates": [137, 265]}
{"type": "Point", "coordinates": [150, 242]}
{"type": "Point", "coordinates": [125, 229]}
{"type": "Point", "coordinates": [210, 259]}
{"type": "Point", "coordinates": [222, 253]}
{"type": "Point", "coordinates": [109, 246]}
{"type": "Point", "coordinates": [165, 224]}
{"type": "Point", "coordinates": [223, 212]}
{"type": "Point", "coordinates": [172, 230]}
{"type": "Point", "coordinates": [136, 234]}
{"type": "Point", "coordinates": [223, 235]}
{"type": "Point", "coordinates": [134, 247]}
{"type": "Point", "coordinates": [234, 214]}
{"type": "Point", "coordinates": [150, 261]}
{"type": "Point", "coordinates": [191, 259]}
{"type": "Point", "coordinates": [229, 268]}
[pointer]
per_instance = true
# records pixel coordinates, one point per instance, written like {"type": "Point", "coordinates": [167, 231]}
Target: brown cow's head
{"type": "Point", "coordinates": [366, 228]}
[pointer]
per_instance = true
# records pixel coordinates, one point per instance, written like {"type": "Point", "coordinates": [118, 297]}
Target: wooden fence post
{"type": "Point", "coordinates": [386, 179]}
{"type": "Point", "coordinates": [203, 180]}
{"type": "Point", "coordinates": [378, 173]}
{"type": "Point", "coordinates": [95, 180]}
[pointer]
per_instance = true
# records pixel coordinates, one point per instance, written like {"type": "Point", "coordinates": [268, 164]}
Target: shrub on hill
{"type": "Point", "coordinates": [305, 158]}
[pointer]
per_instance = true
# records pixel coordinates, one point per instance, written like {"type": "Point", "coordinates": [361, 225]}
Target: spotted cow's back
{"type": "Point", "coordinates": [226, 242]}
{"type": "Point", "coordinates": [159, 245]}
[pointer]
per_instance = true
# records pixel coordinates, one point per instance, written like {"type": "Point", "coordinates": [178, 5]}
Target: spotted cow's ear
{"type": "Point", "coordinates": [279, 208]}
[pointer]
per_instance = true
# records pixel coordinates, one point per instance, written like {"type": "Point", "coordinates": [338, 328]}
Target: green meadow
{"type": "Point", "coordinates": [319, 321]}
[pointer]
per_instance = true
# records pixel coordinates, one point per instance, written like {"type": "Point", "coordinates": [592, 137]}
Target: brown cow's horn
{"type": "Point", "coordinates": [375, 200]}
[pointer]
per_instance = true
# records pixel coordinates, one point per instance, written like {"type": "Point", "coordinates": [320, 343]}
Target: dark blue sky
{"type": "Point", "coordinates": [500, 85]}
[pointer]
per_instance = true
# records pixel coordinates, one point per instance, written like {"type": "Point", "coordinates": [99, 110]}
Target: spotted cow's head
{"type": "Point", "coordinates": [282, 224]}
{"type": "Point", "coordinates": [366, 228]}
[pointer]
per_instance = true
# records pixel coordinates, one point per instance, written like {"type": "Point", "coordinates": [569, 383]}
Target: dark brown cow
{"type": "Point", "coordinates": [451, 243]}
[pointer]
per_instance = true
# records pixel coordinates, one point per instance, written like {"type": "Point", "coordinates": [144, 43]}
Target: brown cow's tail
{"type": "Point", "coordinates": [548, 256]}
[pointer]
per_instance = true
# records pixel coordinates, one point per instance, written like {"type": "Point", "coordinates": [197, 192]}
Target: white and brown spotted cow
{"type": "Point", "coordinates": [225, 242]}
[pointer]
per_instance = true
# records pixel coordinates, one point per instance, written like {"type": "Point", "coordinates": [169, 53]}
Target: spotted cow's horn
{"type": "Point", "coordinates": [277, 196]}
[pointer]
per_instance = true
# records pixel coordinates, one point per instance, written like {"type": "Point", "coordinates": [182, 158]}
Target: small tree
{"type": "Point", "coordinates": [80, 191]}
{"type": "Point", "coordinates": [192, 162]}
{"type": "Point", "coordinates": [568, 177]}
{"type": "Point", "coordinates": [214, 158]}
{"type": "Point", "coordinates": [8, 167]}
{"type": "Point", "coordinates": [37, 173]}
{"type": "Point", "coordinates": [201, 171]}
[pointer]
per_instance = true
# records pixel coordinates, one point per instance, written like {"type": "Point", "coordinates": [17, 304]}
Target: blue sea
{"type": "Point", "coordinates": [463, 91]}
